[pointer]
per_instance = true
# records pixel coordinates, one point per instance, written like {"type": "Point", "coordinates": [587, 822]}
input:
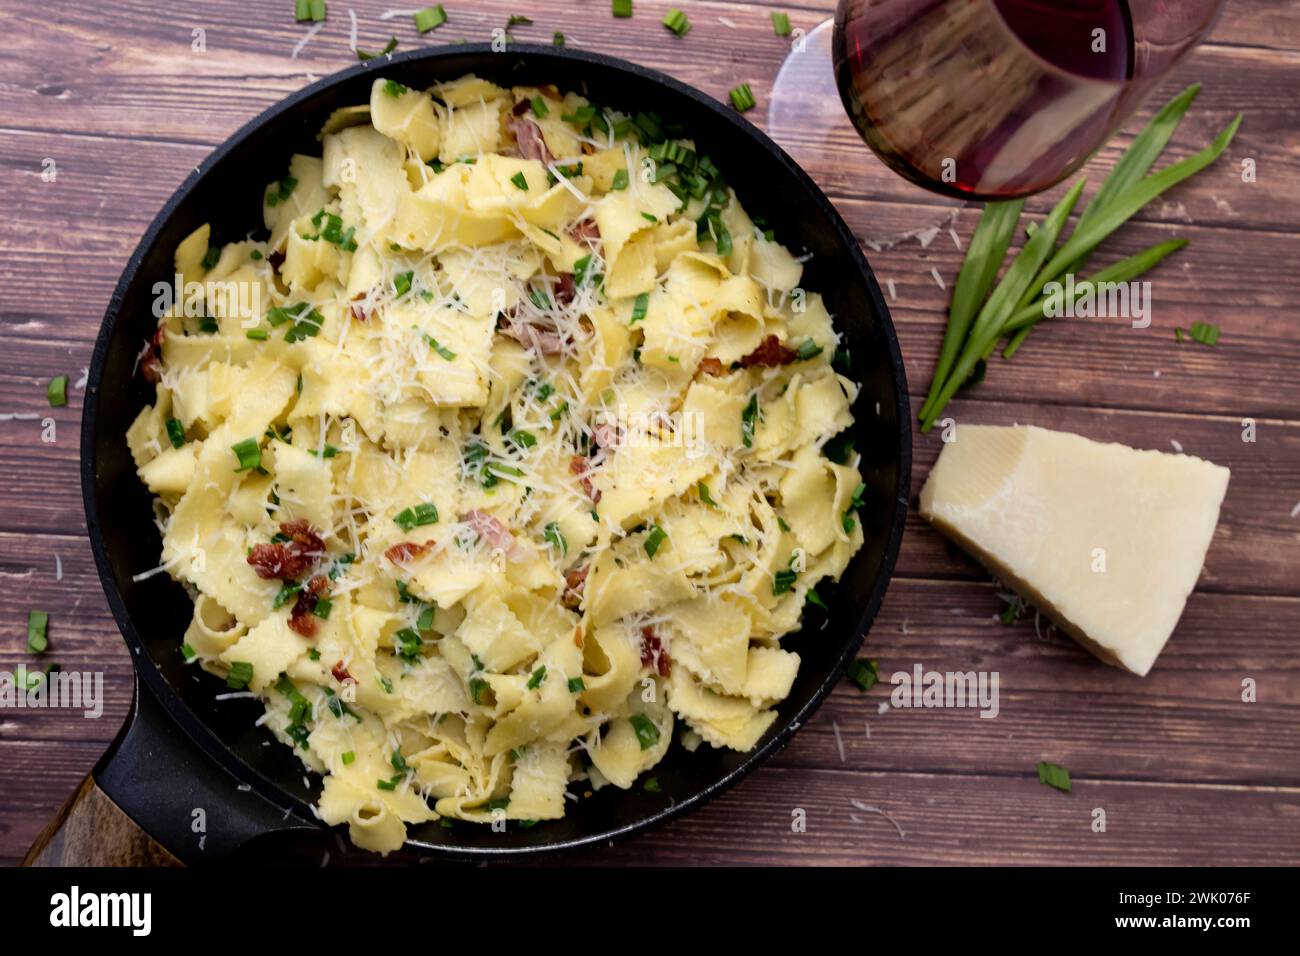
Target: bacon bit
{"type": "Point", "coordinates": [490, 530]}
{"type": "Point", "coordinates": [151, 366]}
{"type": "Point", "coordinates": [340, 673]}
{"type": "Point", "coordinates": [529, 136]}
{"type": "Point", "coordinates": [580, 466]}
{"type": "Point", "coordinates": [407, 550]}
{"type": "Point", "coordinates": [276, 259]}
{"type": "Point", "coordinates": [521, 107]}
{"type": "Point", "coordinates": [288, 561]}
{"type": "Point", "coordinates": [653, 654]}
{"type": "Point", "coordinates": [540, 340]}
{"type": "Point", "coordinates": [302, 620]}
{"type": "Point", "coordinates": [712, 366]}
{"type": "Point", "coordinates": [359, 311]}
{"type": "Point", "coordinates": [585, 230]}
{"type": "Point", "coordinates": [575, 582]}
{"type": "Point", "coordinates": [577, 637]}
{"type": "Point", "coordinates": [588, 149]}
{"type": "Point", "coordinates": [565, 289]}
{"type": "Point", "coordinates": [770, 353]}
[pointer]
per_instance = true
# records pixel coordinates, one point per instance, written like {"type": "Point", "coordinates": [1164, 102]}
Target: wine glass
{"type": "Point", "coordinates": [970, 99]}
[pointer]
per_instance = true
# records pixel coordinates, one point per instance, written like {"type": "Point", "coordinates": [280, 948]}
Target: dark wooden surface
{"type": "Point", "coordinates": [1186, 771]}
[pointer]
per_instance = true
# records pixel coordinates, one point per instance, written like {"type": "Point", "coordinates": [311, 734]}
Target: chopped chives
{"type": "Point", "coordinates": [175, 432]}
{"type": "Point", "coordinates": [282, 596]}
{"type": "Point", "coordinates": [652, 785]}
{"type": "Point", "coordinates": [408, 644]}
{"type": "Point", "coordinates": [704, 494]}
{"type": "Point", "coordinates": [653, 540]}
{"type": "Point", "coordinates": [639, 307]}
{"type": "Point", "coordinates": [477, 686]}
{"type": "Point", "coordinates": [442, 350]}
{"type": "Point", "coordinates": [581, 116]}
{"type": "Point", "coordinates": [1203, 332]}
{"type": "Point", "coordinates": [815, 599]}
{"type": "Point", "coordinates": [782, 581]}
{"type": "Point", "coordinates": [211, 256]}
{"type": "Point", "coordinates": [742, 97]}
{"type": "Point", "coordinates": [241, 672]}
{"type": "Point", "coordinates": [809, 349]}
{"type": "Point", "coordinates": [395, 89]}
{"type": "Point", "coordinates": [57, 391]}
{"type": "Point", "coordinates": [249, 454]}
{"type": "Point", "coordinates": [622, 8]}
{"type": "Point", "coordinates": [537, 677]}
{"type": "Point", "coordinates": [620, 179]}
{"type": "Point", "coordinates": [425, 621]}
{"type": "Point", "coordinates": [37, 625]}
{"type": "Point", "coordinates": [521, 438]}
{"type": "Point", "coordinates": [520, 181]}
{"type": "Point", "coordinates": [323, 608]}
{"type": "Point", "coordinates": [416, 516]}
{"type": "Point", "coordinates": [258, 335]}
{"type": "Point", "coordinates": [188, 652]}
{"type": "Point", "coordinates": [781, 24]}
{"type": "Point", "coordinates": [348, 757]}
{"type": "Point", "coordinates": [540, 109]}
{"type": "Point", "coordinates": [781, 523]}
{"type": "Point", "coordinates": [402, 283]}
{"type": "Point", "coordinates": [748, 420]}
{"type": "Point", "coordinates": [553, 535]}
{"type": "Point", "coordinates": [389, 47]}
{"type": "Point", "coordinates": [647, 734]}
{"type": "Point", "coordinates": [576, 685]}
{"type": "Point", "coordinates": [862, 672]}
{"type": "Point", "coordinates": [430, 18]}
{"type": "Point", "coordinates": [678, 23]}
{"type": "Point", "coordinates": [557, 39]}
{"type": "Point", "coordinates": [1054, 775]}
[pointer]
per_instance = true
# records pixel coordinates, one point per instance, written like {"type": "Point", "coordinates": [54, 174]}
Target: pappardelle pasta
{"type": "Point", "coordinates": [509, 453]}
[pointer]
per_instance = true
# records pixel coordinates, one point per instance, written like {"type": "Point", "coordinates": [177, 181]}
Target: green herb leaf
{"type": "Point", "coordinates": [781, 24]}
{"type": "Point", "coordinates": [57, 391]}
{"type": "Point", "coordinates": [37, 625]}
{"type": "Point", "coordinates": [1054, 775]}
{"type": "Point", "coordinates": [654, 539]}
{"type": "Point", "coordinates": [647, 734]}
{"type": "Point", "coordinates": [863, 673]}
{"type": "Point", "coordinates": [430, 18]}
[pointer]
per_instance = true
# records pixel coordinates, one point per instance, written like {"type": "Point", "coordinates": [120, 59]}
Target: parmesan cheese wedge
{"type": "Point", "coordinates": [1107, 540]}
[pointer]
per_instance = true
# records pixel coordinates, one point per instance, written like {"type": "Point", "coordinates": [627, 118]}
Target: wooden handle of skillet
{"type": "Point", "coordinates": [91, 830]}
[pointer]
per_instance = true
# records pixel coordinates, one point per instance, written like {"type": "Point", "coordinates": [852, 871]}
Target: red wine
{"type": "Point", "coordinates": [985, 99]}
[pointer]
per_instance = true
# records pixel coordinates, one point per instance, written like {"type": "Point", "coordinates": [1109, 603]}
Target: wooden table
{"type": "Point", "coordinates": [1187, 772]}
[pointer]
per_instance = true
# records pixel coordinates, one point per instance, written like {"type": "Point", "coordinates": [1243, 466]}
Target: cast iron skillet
{"type": "Point", "coordinates": [183, 749]}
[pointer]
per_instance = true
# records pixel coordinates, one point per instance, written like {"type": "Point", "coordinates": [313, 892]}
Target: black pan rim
{"type": "Point", "coordinates": [202, 735]}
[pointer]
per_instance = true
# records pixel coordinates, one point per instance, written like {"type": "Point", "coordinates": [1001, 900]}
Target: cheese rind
{"type": "Point", "coordinates": [1107, 540]}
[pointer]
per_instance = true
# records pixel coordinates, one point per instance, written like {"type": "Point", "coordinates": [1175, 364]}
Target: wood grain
{"type": "Point", "coordinates": [1186, 771]}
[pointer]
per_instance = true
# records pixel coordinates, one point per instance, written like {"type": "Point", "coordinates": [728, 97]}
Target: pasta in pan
{"type": "Point", "coordinates": [509, 453]}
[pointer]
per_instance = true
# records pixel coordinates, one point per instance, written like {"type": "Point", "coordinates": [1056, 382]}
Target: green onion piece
{"type": "Point", "coordinates": [742, 97]}
{"type": "Point", "coordinates": [809, 349]}
{"type": "Point", "coordinates": [649, 217]}
{"type": "Point", "coordinates": [748, 419]}
{"type": "Point", "coordinates": [781, 523]}
{"type": "Point", "coordinates": [389, 47]}
{"type": "Point", "coordinates": [677, 22]}
{"type": "Point", "coordinates": [639, 307]}
{"type": "Point", "coordinates": [317, 10]}
{"type": "Point", "coordinates": [652, 785]}
{"type": "Point", "coordinates": [211, 256]}
{"type": "Point", "coordinates": [188, 653]}
{"type": "Point", "coordinates": [1205, 333]}
{"type": "Point", "coordinates": [257, 335]}
{"type": "Point", "coordinates": [408, 644]}
{"type": "Point", "coordinates": [402, 283]}
{"type": "Point", "coordinates": [537, 677]}
{"type": "Point", "coordinates": [620, 180]}
{"type": "Point", "coordinates": [576, 685]}
{"type": "Point", "coordinates": [477, 686]}
{"type": "Point", "coordinates": [175, 432]}
{"type": "Point", "coordinates": [581, 116]}
{"type": "Point", "coordinates": [1054, 775]}
{"type": "Point", "coordinates": [653, 540]}
{"type": "Point", "coordinates": [554, 536]}
{"type": "Point", "coordinates": [323, 608]}
{"type": "Point", "coordinates": [348, 757]}
{"type": "Point", "coordinates": [783, 581]}
{"type": "Point", "coordinates": [520, 181]}
{"type": "Point", "coordinates": [282, 596]}
{"type": "Point", "coordinates": [430, 18]}
{"type": "Point", "coordinates": [241, 672]}
{"type": "Point", "coordinates": [557, 39]}
{"type": "Point", "coordinates": [425, 621]}
{"type": "Point", "coordinates": [622, 8]}
{"type": "Point", "coordinates": [249, 454]}
{"type": "Point", "coordinates": [394, 89]}
{"type": "Point", "coordinates": [647, 734]}
{"type": "Point", "coordinates": [417, 516]}
{"type": "Point", "coordinates": [815, 599]}
{"type": "Point", "coordinates": [781, 24]}
{"type": "Point", "coordinates": [703, 489]}
{"type": "Point", "coordinates": [57, 391]}
{"type": "Point", "coordinates": [386, 684]}
{"type": "Point", "coordinates": [863, 673]}
{"type": "Point", "coordinates": [37, 625]}
{"type": "Point", "coordinates": [540, 109]}
{"type": "Point", "coordinates": [442, 350]}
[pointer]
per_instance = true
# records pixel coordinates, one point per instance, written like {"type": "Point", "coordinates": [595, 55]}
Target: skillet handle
{"type": "Point", "coordinates": [91, 830]}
